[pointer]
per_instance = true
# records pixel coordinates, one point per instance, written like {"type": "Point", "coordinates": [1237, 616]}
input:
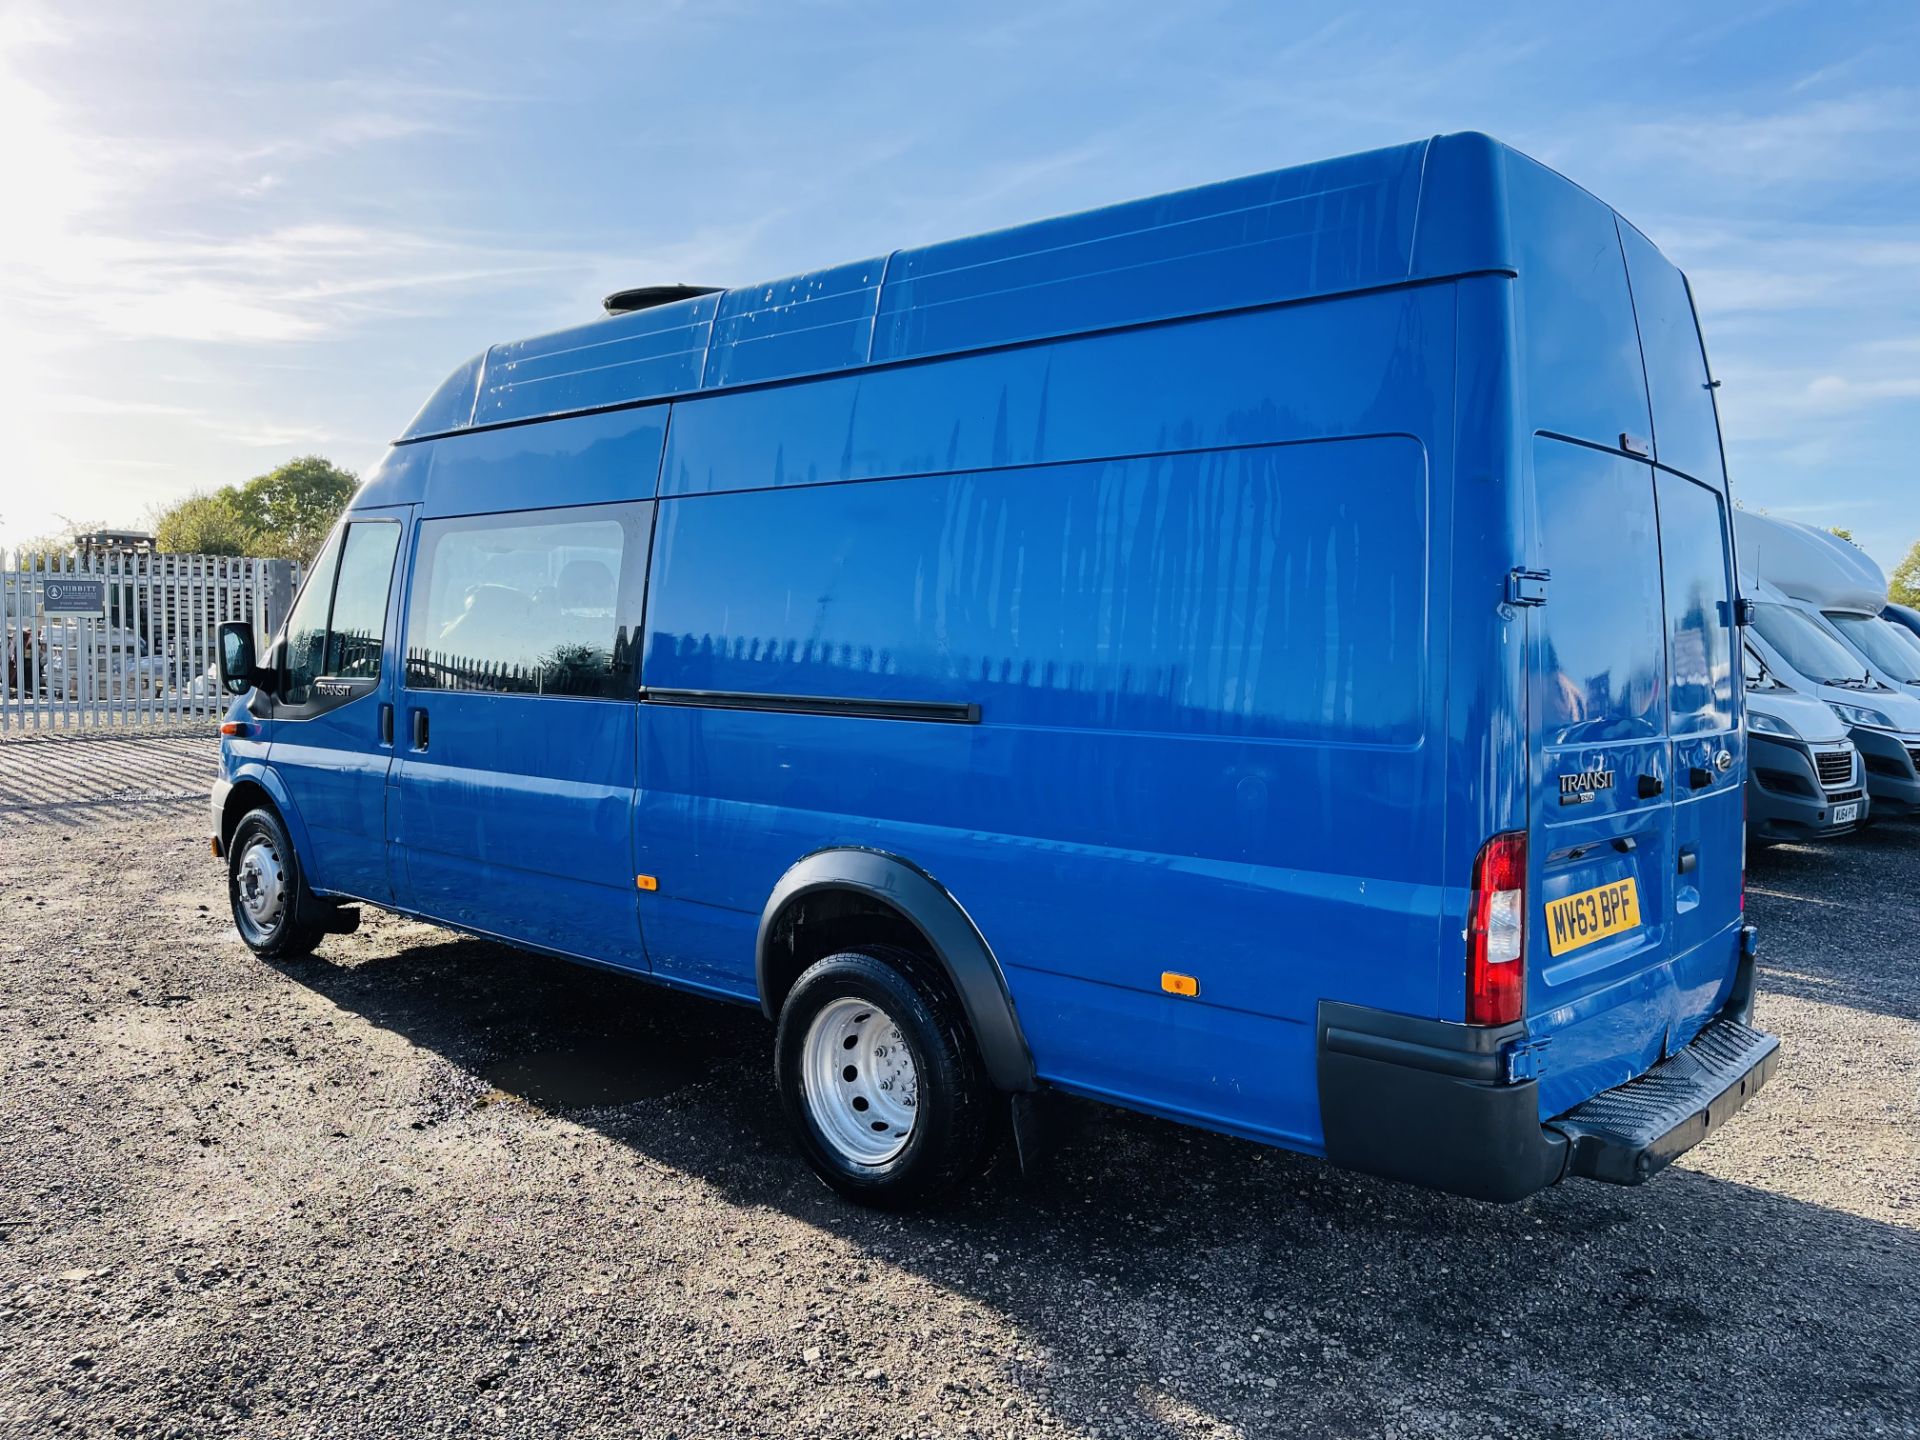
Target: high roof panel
{"type": "Point", "coordinates": [1412, 212]}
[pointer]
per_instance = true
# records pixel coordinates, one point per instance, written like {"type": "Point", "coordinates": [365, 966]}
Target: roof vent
{"type": "Point", "coordinates": [645, 297]}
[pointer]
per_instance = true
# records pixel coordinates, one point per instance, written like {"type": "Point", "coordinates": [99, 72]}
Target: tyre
{"type": "Point", "coordinates": [880, 1078]}
{"type": "Point", "coordinates": [272, 908]}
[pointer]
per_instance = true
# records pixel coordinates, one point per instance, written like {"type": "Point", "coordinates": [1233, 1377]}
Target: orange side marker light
{"type": "Point", "coordinates": [1175, 983]}
{"type": "Point", "coordinates": [646, 882]}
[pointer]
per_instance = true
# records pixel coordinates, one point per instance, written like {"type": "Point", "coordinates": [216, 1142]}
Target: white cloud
{"type": "Point", "coordinates": [1821, 143]}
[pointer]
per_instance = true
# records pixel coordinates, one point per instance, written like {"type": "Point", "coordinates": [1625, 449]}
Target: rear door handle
{"type": "Point", "coordinates": [1651, 786]}
{"type": "Point", "coordinates": [1689, 860]}
{"type": "Point", "coordinates": [419, 722]}
{"type": "Point", "coordinates": [386, 724]}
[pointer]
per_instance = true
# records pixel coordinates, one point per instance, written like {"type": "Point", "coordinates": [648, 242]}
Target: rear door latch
{"type": "Point", "coordinates": [1524, 1060]}
{"type": "Point", "coordinates": [1527, 587]}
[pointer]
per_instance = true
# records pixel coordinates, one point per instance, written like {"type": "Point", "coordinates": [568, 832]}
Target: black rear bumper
{"type": "Point", "coordinates": [1430, 1102]}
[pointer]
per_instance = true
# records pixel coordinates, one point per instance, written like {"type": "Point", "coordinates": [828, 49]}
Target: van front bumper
{"type": "Point", "coordinates": [1786, 799]}
{"type": "Point", "coordinates": [1893, 769]}
{"type": "Point", "coordinates": [1429, 1102]}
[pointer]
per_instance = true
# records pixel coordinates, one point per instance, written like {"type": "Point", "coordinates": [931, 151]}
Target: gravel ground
{"type": "Point", "coordinates": [421, 1185]}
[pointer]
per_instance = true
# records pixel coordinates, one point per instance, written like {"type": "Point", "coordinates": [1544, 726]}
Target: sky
{"type": "Point", "coordinates": [235, 233]}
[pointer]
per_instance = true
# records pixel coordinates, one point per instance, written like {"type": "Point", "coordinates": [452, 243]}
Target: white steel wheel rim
{"type": "Point", "coordinates": [260, 888]}
{"type": "Point", "coordinates": [862, 1087]}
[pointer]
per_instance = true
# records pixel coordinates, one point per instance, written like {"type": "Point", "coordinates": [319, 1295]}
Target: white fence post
{"type": "Point", "coordinates": [138, 661]}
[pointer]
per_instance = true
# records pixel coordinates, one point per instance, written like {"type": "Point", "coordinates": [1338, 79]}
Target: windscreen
{"type": "Point", "coordinates": [1874, 638]}
{"type": "Point", "coordinates": [1805, 646]}
{"type": "Point", "coordinates": [1758, 676]}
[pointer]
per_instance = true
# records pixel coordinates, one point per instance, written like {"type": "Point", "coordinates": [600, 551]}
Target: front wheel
{"type": "Point", "coordinates": [271, 908]}
{"type": "Point", "coordinates": [880, 1078]}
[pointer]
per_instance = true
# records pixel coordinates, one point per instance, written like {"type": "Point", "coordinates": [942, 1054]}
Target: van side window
{"type": "Point", "coordinates": [528, 603]}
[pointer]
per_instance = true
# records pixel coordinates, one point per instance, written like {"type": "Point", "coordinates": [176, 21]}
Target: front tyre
{"type": "Point", "coordinates": [271, 907]}
{"type": "Point", "coordinates": [880, 1078]}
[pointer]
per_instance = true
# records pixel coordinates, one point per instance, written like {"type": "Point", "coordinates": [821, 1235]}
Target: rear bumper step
{"type": "Point", "coordinates": [1435, 1103]}
{"type": "Point", "coordinates": [1626, 1135]}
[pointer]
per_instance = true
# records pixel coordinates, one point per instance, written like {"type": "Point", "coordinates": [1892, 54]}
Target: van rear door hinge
{"type": "Point", "coordinates": [1527, 587]}
{"type": "Point", "coordinates": [1524, 1060]}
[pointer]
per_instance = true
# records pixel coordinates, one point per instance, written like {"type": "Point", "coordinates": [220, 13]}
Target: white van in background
{"type": "Point", "coordinates": [1796, 575]}
{"type": "Point", "coordinates": [1804, 777]}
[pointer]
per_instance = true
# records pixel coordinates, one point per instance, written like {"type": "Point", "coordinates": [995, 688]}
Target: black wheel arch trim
{"type": "Point", "coordinates": [957, 944]}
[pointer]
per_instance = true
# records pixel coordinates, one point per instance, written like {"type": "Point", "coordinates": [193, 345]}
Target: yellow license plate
{"type": "Point", "coordinates": [1576, 920]}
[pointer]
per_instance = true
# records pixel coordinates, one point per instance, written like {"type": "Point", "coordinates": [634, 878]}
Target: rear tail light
{"type": "Point", "coordinates": [1497, 932]}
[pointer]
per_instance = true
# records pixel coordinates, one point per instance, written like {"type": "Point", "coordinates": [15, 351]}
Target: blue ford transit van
{"type": "Point", "coordinates": [1262, 655]}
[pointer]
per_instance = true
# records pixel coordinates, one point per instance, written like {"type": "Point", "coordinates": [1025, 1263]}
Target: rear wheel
{"type": "Point", "coordinates": [880, 1078]}
{"type": "Point", "coordinates": [272, 908]}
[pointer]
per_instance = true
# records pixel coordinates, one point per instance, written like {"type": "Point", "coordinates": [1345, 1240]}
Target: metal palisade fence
{"type": "Point", "coordinates": [116, 639]}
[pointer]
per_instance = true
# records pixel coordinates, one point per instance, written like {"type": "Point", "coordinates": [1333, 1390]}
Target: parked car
{"type": "Point", "coordinates": [1232, 655]}
{"type": "Point", "coordinates": [1804, 777]}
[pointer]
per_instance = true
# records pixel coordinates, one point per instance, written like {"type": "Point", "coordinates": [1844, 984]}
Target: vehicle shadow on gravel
{"type": "Point", "coordinates": [1165, 1275]}
{"type": "Point", "coordinates": [1837, 919]}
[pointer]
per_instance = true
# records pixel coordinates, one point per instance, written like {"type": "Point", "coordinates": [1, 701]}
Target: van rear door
{"type": "Point", "coordinates": [1706, 749]}
{"type": "Point", "coordinates": [1600, 987]}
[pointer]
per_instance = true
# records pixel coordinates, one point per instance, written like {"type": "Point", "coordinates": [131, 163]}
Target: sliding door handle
{"type": "Point", "coordinates": [419, 725]}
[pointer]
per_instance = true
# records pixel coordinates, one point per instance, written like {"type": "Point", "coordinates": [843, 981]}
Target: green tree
{"type": "Point", "coordinates": [1844, 533]}
{"type": "Point", "coordinates": [205, 523]}
{"type": "Point", "coordinates": [284, 514]}
{"type": "Point", "coordinates": [1904, 588]}
{"type": "Point", "coordinates": [290, 509]}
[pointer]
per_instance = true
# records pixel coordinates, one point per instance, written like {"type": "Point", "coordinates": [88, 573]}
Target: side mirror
{"type": "Point", "coordinates": [239, 671]}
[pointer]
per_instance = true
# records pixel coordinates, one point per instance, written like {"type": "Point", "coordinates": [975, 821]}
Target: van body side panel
{"type": "Point", "coordinates": [1207, 706]}
{"type": "Point", "coordinates": [1252, 379]}
{"type": "Point", "coordinates": [588, 460]}
{"type": "Point", "coordinates": [399, 477]}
